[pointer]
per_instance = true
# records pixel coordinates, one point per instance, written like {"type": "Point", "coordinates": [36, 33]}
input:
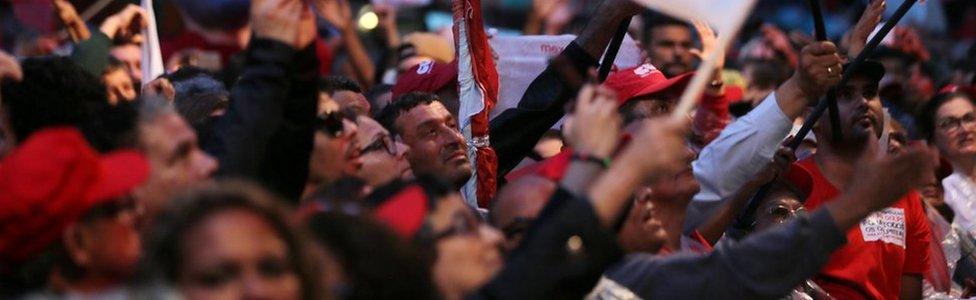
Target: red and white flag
{"type": "Point", "coordinates": [478, 91]}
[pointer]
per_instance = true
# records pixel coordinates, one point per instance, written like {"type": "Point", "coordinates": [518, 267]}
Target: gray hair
{"type": "Point", "coordinates": [151, 107]}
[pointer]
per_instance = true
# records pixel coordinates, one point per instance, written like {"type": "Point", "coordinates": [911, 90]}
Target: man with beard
{"type": "Point", "coordinates": [887, 254]}
{"type": "Point", "coordinates": [669, 44]}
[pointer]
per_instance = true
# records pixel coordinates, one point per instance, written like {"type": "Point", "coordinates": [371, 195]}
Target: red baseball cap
{"type": "Point", "coordinates": [801, 179]}
{"type": "Point", "coordinates": [429, 76]}
{"type": "Point", "coordinates": [51, 181]}
{"type": "Point", "coordinates": [643, 80]}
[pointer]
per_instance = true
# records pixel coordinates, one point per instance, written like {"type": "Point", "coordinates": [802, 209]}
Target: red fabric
{"type": "Point", "coordinates": [429, 76]}
{"type": "Point", "coordinates": [643, 80]}
{"type": "Point", "coordinates": [485, 79]}
{"type": "Point", "coordinates": [52, 180]}
{"type": "Point", "coordinates": [404, 212]}
{"type": "Point", "coordinates": [552, 168]}
{"type": "Point", "coordinates": [712, 116]}
{"type": "Point", "coordinates": [189, 40]}
{"type": "Point", "coordinates": [869, 267]}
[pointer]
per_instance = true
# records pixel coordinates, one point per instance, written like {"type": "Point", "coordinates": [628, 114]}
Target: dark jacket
{"type": "Point", "coordinates": [267, 132]}
{"type": "Point", "coordinates": [765, 265]}
{"type": "Point", "coordinates": [562, 255]}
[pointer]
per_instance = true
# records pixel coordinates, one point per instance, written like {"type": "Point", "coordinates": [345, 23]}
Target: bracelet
{"type": "Point", "coordinates": [585, 157]}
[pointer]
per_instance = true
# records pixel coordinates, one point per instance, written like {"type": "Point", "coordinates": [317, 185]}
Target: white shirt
{"type": "Point", "coordinates": [739, 153]}
{"type": "Point", "coordinates": [960, 195]}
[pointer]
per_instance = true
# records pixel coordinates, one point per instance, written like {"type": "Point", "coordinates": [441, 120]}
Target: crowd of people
{"type": "Point", "coordinates": [307, 149]}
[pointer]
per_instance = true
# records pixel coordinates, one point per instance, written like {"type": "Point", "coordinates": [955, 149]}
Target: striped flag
{"type": "Point", "coordinates": [152, 58]}
{"type": "Point", "coordinates": [478, 91]}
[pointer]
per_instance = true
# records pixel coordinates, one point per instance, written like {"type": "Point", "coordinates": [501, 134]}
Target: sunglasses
{"type": "Point", "coordinates": [331, 124]}
{"type": "Point", "coordinates": [385, 142]}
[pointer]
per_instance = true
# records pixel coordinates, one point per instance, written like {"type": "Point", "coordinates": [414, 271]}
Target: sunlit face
{"type": "Point", "coordinates": [383, 158]}
{"type": "Point", "coordinates": [436, 145]}
{"type": "Point", "coordinates": [955, 129]}
{"type": "Point", "coordinates": [176, 161]}
{"type": "Point", "coordinates": [669, 49]}
{"type": "Point", "coordinates": [468, 251]}
{"type": "Point", "coordinates": [236, 254]}
{"type": "Point", "coordinates": [119, 86]}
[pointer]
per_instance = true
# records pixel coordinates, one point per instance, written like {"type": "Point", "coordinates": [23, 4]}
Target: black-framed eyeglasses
{"type": "Point", "coordinates": [385, 142]}
{"type": "Point", "coordinates": [950, 124]}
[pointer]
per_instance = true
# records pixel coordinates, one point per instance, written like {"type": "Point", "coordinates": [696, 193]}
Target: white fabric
{"type": "Point", "coordinates": [152, 58]}
{"type": "Point", "coordinates": [739, 153]}
{"type": "Point", "coordinates": [720, 13]}
{"type": "Point", "coordinates": [960, 195]}
{"type": "Point", "coordinates": [520, 59]}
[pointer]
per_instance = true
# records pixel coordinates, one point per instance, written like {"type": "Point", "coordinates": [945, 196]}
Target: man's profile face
{"type": "Point", "coordinates": [669, 47]}
{"type": "Point", "coordinates": [436, 145]}
{"type": "Point", "coordinates": [175, 159]}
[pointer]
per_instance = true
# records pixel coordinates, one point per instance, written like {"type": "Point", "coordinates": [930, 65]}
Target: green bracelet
{"type": "Point", "coordinates": [585, 157]}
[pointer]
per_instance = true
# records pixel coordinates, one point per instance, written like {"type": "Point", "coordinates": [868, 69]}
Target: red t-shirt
{"type": "Point", "coordinates": [883, 247]}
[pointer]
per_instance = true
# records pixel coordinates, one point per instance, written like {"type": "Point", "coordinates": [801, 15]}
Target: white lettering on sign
{"type": "Point", "coordinates": [887, 225]}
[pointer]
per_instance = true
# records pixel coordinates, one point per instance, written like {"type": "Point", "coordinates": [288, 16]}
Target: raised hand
{"type": "Point", "coordinates": [595, 126]}
{"type": "Point", "coordinates": [276, 20]}
{"type": "Point", "coordinates": [126, 25]}
{"type": "Point", "coordinates": [160, 86]}
{"type": "Point", "coordinates": [709, 41]}
{"type": "Point", "coordinates": [10, 68]}
{"type": "Point", "coordinates": [881, 180]}
{"type": "Point", "coordinates": [858, 36]}
{"type": "Point", "coordinates": [820, 69]}
{"type": "Point", "coordinates": [336, 12]}
{"type": "Point", "coordinates": [659, 148]}
{"type": "Point", "coordinates": [72, 21]}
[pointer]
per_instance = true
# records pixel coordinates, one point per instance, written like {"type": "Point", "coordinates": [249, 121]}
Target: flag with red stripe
{"type": "Point", "coordinates": [478, 91]}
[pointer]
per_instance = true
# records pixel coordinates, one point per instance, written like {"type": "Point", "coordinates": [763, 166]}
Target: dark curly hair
{"type": "Point", "coordinates": [388, 116]}
{"type": "Point", "coordinates": [54, 91]}
{"type": "Point", "coordinates": [163, 257]}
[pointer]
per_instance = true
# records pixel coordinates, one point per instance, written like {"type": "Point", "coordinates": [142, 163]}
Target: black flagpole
{"type": "Point", "coordinates": [612, 49]}
{"type": "Point", "coordinates": [820, 31]}
{"type": "Point", "coordinates": [745, 219]}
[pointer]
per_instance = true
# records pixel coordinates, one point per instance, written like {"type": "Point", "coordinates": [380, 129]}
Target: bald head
{"type": "Point", "coordinates": [518, 203]}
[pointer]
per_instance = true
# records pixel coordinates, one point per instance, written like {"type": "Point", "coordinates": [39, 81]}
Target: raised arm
{"type": "Point", "coordinates": [267, 109]}
{"type": "Point", "coordinates": [745, 146]}
{"type": "Point", "coordinates": [769, 264]}
{"type": "Point", "coordinates": [515, 131]}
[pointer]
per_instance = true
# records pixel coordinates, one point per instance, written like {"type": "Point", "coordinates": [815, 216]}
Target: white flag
{"type": "Point", "coordinates": [725, 16]}
{"type": "Point", "coordinates": [152, 58]}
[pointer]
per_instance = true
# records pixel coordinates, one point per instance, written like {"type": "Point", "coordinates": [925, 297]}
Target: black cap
{"type": "Point", "coordinates": [869, 68]}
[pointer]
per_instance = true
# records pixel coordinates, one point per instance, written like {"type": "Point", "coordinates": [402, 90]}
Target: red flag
{"type": "Point", "coordinates": [478, 90]}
